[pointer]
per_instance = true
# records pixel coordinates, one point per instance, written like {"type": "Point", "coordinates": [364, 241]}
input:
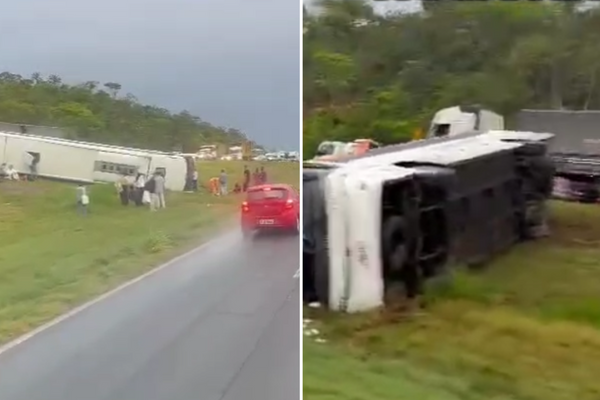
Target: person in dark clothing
{"type": "Point", "coordinates": [123, 187]}
{"type": "Point", "coordinates": [34, 166]}
{"type": "Point", "coordinates": [246, 183]}
{"type": "Point", "coordinates": [195, 181]}
{"type": "Point", "coordinates": [256, 177]}
{"type": "Point", "coordinates": [150, 186]}
{"type": "Point", "coordinates": [149, 189]}
{"type": "Point", "coordinates": [263, 176]}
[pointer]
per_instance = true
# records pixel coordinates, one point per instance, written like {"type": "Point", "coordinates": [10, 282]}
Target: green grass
{"type": "Point", "coordinates": [51, 259]}
{"type": "Point", "coordinates": [527, 327]}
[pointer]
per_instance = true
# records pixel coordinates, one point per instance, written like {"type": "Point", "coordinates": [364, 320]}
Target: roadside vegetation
{"type": "Point", "coordinates": [104, 113]}
{"type": "Point", "coordinates": [368, 75]}
{"type": "Point", "coordinates": [527, 327]}
{"type": "Point", "coordinates": [52, 259]}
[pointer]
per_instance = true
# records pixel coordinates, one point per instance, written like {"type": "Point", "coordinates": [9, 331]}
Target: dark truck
{"type": "Point", "coordinates": [460, 208]}
{"type": "Point", "coordinates": [575, 149]}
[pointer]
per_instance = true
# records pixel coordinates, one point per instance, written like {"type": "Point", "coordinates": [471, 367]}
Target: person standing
{"type": "Point", "coordinates": [223, 182]}
{"type": "Point", "coordinates": [263, 176]}
{"type": "Point", "coordinates": [34, 160]}
{"type": "Point", "coordinates": [214, 186]}
{"type": "Point", "coordinates": [140, 183]}
{"type": "Point", "coordinates": [149, 188]}
{"type": "Point", "coordinates": [159, 191]}
{"type": "Point", "coordinates": [82, 200]}
{"type": "Point", "coordinates": [246, 183]}
{"type": "Point", "coordinates": [122, 186]}
{"type": "Point", "coordinates": [256, 177]}
{"type": "Point", "coordinates": [195, 181]}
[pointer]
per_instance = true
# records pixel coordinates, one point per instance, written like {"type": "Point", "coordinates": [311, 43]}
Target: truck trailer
{"type": "Point", "coordinates": [575, 149]}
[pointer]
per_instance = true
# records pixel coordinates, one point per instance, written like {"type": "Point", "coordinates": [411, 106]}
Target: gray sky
{"type": "Point", "coordinates": [234, 63]}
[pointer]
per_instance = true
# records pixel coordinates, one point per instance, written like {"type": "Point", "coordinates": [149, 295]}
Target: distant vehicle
{"type": "Point", "coordinates": [331, 149]}
{"type": "Point", "coordinates": [334, 150]}
{"type": "Point", "coordinates": [273, 206]}
{"type": "Point", "coordinates": [361, 146]}
{"type": "Point", "coordinates": [457, 120]}
{"type": "Point", "coordinates": [273, 157]}
{"type": "Point", "coordinates": [293, 156]}
{"type": "Point", "coordinates": [575, 150]}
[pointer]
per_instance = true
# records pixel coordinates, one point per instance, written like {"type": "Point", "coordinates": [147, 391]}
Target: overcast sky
{"type": "Point", "coordinates": [234, 63]}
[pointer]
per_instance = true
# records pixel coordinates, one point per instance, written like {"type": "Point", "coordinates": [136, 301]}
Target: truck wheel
{"type": "Point", "coordinates": [394, 242]}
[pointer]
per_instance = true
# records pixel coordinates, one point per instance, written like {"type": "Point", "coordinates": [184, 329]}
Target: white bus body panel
{"type": "Point", "coordinates": [78, 161]}
{"type": "Point", "coordinates": [138, 163]}
{"type": "Point", "coordinates": [355, 275]}
{"type": "Point", "coordinates": [337, 219]}
{"type": "Point", "coordinates": [57, 160]}
{"type": "Point", "coordinates": [175, 168]}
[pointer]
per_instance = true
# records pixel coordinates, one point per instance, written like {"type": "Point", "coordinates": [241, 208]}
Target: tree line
{"type": "Point", "coordinates": [367, 75]}
{"type": "Point", "coordinates": [98, 112]}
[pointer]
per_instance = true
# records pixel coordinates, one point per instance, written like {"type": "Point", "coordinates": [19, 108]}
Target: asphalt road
{"type": "Point", "coordinates": [222, 323]}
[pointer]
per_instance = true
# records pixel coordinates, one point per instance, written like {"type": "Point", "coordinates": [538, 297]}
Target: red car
{"type": "Point", "coordinates": [270, 206]}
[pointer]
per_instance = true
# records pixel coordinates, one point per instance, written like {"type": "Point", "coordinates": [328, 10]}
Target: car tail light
{"type": "Point", "coordinates": [245, 207]}
{"type": "Point", "coordinates": [289, 204]}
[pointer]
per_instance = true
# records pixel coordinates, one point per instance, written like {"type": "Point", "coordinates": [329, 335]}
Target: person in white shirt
{"type": "Point", "coordinates": [158, 196]}
{"type": "Point", "coordinates": [140, 182]}
{"type": "Point", "coordinates": [82, 200]}
{"type": "Point", "coordinates": [12, 173]}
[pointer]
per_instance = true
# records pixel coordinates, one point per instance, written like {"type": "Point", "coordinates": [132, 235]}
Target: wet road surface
{"type": "Point", "coordinates": [221, 323]}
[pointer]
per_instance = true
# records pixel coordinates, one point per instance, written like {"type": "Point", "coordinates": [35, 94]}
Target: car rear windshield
{"type": "Point", "coordinates": [267, 194]}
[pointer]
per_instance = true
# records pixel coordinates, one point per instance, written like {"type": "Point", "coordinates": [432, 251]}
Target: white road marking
{"type": "Point", "coordinates": [22, 339]}
{"type": "Point", "coordinates": [297, 274]}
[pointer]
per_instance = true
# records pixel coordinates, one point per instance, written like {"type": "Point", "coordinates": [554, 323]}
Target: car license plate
{"type": "Point", "coordinates": [266, 222]}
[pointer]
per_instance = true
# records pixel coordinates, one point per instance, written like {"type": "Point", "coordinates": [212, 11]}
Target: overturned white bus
{"type": "Point", "coordinates": [401, 214]}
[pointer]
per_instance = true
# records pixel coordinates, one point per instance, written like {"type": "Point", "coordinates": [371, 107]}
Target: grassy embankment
{"type": "Point", "coordinates": [51, 259]}
{"type": "Point", "coordinates": [526, 328]}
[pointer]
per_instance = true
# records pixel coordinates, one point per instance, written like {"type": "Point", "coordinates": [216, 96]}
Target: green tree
{"type": "Point", "coordinates": [383, 76]}
{"type": "Point", "coordinates": [96, 112]}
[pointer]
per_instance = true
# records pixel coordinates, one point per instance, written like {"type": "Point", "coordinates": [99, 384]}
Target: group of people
{"type": "Point", "coordinates": [142, 191]}
{"type": "Point", "coordinates": [218, 185]}
{"type": "Point", "coordinates": [8, 172]}
{"type": "Point", "coordinates": [137, 190]}
{"type": "Point", "coordinates": [151, 192]}
{"type": "Point", "coordinates": [258, 177]}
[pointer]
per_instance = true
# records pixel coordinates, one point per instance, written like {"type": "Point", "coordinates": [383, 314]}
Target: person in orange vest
{"type": "Point", "coordinates": [214, 186]}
